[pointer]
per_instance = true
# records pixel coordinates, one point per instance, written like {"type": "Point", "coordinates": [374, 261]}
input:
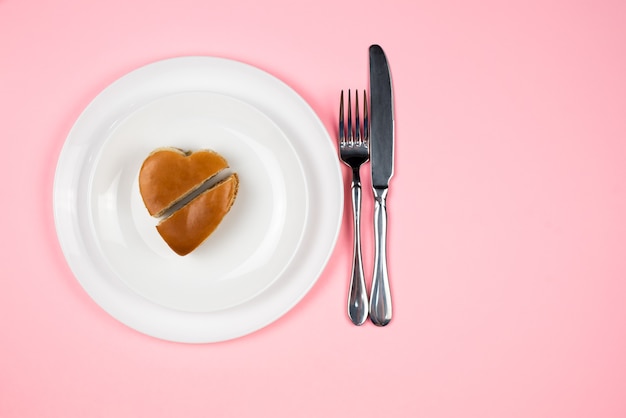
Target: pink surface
{"type": "Point", "coordinates": [507, 214]}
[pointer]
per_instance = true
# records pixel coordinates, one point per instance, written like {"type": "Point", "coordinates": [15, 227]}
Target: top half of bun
{"type": "Point", "coordinates": [169, 174]}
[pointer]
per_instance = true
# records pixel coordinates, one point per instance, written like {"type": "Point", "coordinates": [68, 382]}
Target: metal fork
{"type": "Point", "coordinates": [354, 151]}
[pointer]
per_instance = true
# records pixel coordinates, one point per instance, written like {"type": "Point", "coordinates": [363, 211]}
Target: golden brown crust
{"type": "Point", "coordinates": [169, 174]}
{"type": "Point", "coordinates": [188, 227]}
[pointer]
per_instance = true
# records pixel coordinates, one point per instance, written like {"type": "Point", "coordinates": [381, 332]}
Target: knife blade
{"type": "Point", "coordinates": [382, 132]}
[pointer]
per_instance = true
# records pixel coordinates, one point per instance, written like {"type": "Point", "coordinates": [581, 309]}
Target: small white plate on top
{"type": "Point", "coordinates": [270, 248]}
{"type": "Point", "coordinates": [256, 240]}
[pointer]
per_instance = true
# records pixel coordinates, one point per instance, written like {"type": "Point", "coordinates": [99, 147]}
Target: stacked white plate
{"type": "Point", "coordinates": [270, 248]}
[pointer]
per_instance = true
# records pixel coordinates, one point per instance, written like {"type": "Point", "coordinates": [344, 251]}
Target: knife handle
{"type": "Point", "coordinates": [357, 299]}
{"type": "Point", "coordinates": [380, 299]}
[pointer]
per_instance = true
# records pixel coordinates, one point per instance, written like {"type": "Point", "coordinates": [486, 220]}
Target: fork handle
{"type": "Point", "coordinates": [357, 299]}
{"type": "Point", "coordinates": [380, 299]}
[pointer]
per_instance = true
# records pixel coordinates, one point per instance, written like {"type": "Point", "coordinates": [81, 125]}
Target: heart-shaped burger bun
{"type": "Point", "coordinates": [177, 185]}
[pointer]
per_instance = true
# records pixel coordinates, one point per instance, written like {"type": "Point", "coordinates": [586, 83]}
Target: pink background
{"type": "Point", "coordinates": [507, 211]}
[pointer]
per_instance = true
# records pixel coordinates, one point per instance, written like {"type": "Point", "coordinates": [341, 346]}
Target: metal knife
{"type": "Point", "coordinates": [381, 162]}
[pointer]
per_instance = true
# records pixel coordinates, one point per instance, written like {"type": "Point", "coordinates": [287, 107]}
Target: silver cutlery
{"type": "Point", "coordinates": [382, 144]}
{"type": "Point", "coordinates": [354, 151]}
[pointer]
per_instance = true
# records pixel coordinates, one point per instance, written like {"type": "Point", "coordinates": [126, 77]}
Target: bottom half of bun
{"type": "Point", "coordinates": [190, 225]}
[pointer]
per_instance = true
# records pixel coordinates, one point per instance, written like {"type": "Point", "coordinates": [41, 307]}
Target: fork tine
{"type": "Point", "coordinates": [350, 131]}
{"type": "Point", "coordinates": [366, 125]}
{"type": "Point", "coordinates": [357, 125]}
{"type": "Point", "coordinates": [342, 134]}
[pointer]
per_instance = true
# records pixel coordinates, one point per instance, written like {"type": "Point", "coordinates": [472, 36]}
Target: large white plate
{"type": "Point", "coordinates": [269, 250]}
